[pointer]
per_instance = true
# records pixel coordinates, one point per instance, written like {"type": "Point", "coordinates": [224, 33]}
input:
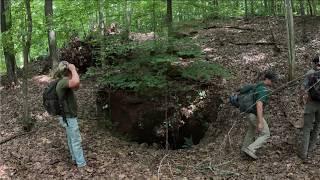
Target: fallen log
{"type": "Point", "coordinates": [229, 27]}
{"type": "Point", "coordinates": [253, 43]}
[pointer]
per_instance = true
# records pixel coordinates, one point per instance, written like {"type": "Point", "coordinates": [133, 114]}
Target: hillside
{"type": "Point", "coordinates": [246, 48]}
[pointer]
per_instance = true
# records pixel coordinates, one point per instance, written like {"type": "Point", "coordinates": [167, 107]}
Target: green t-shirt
{"type": "Point", "coordinates": [69, 99]}
{"type": "Point", "coordinates": [262, 93]}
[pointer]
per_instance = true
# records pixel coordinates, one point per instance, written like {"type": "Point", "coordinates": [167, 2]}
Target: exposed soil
{"type": "Point", "coordinates": [142, 117]}
{"type": "Point", "coordinates": [244, 47]}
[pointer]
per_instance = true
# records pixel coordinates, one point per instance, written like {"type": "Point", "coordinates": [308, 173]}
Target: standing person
{"type": "Point", "coordinates": [311, 100]}
{"type": "Point", "coordinates": [258, 126]}
{"type": "Point", "coordinates": [69, 81]}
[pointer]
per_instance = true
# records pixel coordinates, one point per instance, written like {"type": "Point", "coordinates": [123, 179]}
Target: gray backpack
{"type": "Point", "coordinates": [246, 99]}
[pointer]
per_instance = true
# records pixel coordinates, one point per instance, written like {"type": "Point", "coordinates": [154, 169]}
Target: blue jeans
{"type": "Point", "coordinates": [74, 140]}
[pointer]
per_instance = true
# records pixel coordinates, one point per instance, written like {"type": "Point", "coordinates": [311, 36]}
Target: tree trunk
{"type": "Point", "coordinates": [310, 8]}
{"type": "Point", "coordinates": [252, 7]}
{"type": "Point", "coordinates": [293, 7]}
{"type": "Point", "coordinates": [291, 44]}
{"type": "Point", "coordinates": [102, 32]}
{"type": "Point", "coordinates": [215, 2]}
{"type": "Point", "coordinates": [273, 7]}
{"type": "Point", "coordinates": [169, 25]}
{"type": "Point", "coordinates": [169, 16]}
{"type": "Point", "coordinates": [101, 18]}
{"type": "Point", "coordinates": [8, 46]}
{"type": "Point", "coordinates": [26, 49]}
{"type": "Point", "coordinates": [314, 7]}
{"type": "Point", "coordinates": [266, 8]}
{"type": "Point", "coordinates": [127, 19]}
{"type": "Point", "coordinates": [302, 12]}
{"type": "Point", "coordinates": [154, 25]}
{"type": "Point", "coordinates": [246, 8]}
{"type": "Point", "coordinates": [53, 56]}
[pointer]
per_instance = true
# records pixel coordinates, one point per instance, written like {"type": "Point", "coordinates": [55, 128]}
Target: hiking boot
{"type": "Point", "coordinates": [249, 153]}
{"type": "Point", "coordinates": [245, 156]}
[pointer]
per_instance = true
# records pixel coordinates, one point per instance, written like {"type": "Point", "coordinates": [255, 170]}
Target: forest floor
{"type": "Point", "coordinates": [245, 48]}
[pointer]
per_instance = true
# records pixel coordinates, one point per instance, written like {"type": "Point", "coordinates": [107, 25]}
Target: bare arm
{"type": "Point", "coordinates": [259, 116]}
{"type": "Point", "coordinates": [74, 82]}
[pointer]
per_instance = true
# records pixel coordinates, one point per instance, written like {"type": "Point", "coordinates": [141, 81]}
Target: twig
{"type": "Point", "coordinates": [13, 137]}
{"type": "Point", "coordinates": [220, 171]}
{"type": "Point", "coordinates": [159, 168]}
{"type": "Point", "coordinates": [229, 27]}
{"type": "Point", "coordinates": [171, 171]}
{"type": "Point", "coordinates": [224, 163]}
{"type": "Point", "coordinates": [253, 43]}
{"type": "Point", "coordinates": [230, 131]}
{"type": "Point", "coordinates": [226, 172]}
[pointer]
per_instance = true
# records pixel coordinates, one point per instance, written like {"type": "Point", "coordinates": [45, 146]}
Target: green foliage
{"type": "Point", "coordinates": [2, 66]}
{"type": "Point", "coordinates": [136, 75]}
{"type": "Point", "coordinates": [114, 48]}
{"type": "Point", "coordinates": [204, 71]}
{"type": "Point", "coordinates": [77, 17]}
{"type": "Point", "coordinates": [149, 74]}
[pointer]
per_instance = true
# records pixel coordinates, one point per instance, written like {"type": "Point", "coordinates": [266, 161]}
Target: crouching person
{"type": "Point", "coordinates": [68, 82]}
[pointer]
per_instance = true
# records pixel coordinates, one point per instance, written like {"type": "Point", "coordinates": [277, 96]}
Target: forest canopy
{"type": "Point", "coordinates": [78, 17]}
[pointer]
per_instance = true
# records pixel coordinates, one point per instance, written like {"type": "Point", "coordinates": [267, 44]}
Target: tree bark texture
{"type": "Point", "coordinates": [273, 8]}
{"type": "Point", "coordinates": [102, 32]}
{"type": "Point", "coordinates": [169, 16]}
{"type": "Point", "coordinates": [246, 7]}
{"type": "Point", "coordinates": [53, 55]}
{"type": "Point", "coordinates": [26, 49]}
{"type": "Point", "coordinates": [291, 43]}
{"type": "Point", "coordinates": [302, 11]}
{"type": "Point", "coordinates": [8, 46]}
{"type": "Point", "coordinates": [314, 7]}
{"type": "Point", "coordinates": [310, 8]}
{"type": "Point", "coordinates": [170, 48]}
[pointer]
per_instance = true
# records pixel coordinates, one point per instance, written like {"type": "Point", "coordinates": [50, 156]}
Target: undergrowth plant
{"type": "Point", "coordinates": [151, 70]}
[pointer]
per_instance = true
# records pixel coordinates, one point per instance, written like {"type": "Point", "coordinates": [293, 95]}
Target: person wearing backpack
{"type": "Point", "coordinates": [257, 125]}
{"type": "Point", "coordinates": [68, 82]}
{"type": "Point", "coordinates": [311, 100]}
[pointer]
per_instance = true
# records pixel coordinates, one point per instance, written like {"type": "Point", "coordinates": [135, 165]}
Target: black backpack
{"type": "Point", "coordinates": [314, 82]}
{"type": "Point", "coordinates": [245, 100]}
{"type": "Point", "coordinates": [51, 100]}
